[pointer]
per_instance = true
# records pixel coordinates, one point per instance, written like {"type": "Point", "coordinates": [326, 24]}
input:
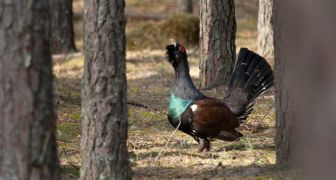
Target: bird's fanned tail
{"type": "Point", "coordinates": [252, 76]}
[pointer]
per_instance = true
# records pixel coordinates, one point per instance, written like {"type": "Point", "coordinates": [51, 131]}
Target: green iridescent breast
{"type": "Point", "coordinates": [177, 106]}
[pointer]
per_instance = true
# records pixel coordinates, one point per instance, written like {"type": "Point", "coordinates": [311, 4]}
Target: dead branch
{"type": "Point", "coordinates": [144, 106]}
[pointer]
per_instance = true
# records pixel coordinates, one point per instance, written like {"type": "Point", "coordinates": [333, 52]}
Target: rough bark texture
{"type": "Point", "coordinates": [265, 30]}
{"type": "Point", "coordinates": [62, 32]}
{"type": "Point", "coordinates": [104, 134]}
{"type": "Point", "coordinates": [27, 120]}
{"type": "Point", "coordinates": [217, 35]}
{"type": "Point", "coordinates": [306, 86]}
{"type": "Point", "coordinates": [185, 6]}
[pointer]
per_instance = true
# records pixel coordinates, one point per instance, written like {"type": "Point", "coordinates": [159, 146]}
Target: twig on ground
{"type": "Point", "coordinates": [74, 166]}
{"type": "Point", "coordinates": [145, 106]}
{"type": "Point", "coordinates": [133, 103]}
{"type": "Point", "coordinates": [162, 151]}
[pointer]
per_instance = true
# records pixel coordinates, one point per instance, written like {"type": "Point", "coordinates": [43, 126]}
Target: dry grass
{"type": "Point", "coordinates": [149, 78]}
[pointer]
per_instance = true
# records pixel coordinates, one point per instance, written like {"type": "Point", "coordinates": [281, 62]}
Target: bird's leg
{"type": "Point", "coordinates": [201, 145]}
{"type": "Point", "coordinates": [204, 144]}
{"type": "Point", "coordinates": [207, 145]}
{"type": "Point", "coordinates": [196, 139]}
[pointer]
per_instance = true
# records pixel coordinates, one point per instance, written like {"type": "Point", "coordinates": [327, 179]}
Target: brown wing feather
{"type": "Point", "coordinates": [213, 116]}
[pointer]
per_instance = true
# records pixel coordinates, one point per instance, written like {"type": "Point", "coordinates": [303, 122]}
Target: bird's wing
{"type": "Point", "coordinates": [211, 116]}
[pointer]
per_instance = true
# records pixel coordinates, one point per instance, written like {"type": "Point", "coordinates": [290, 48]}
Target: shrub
{"type": "Point", "coordinates": [184, 28]}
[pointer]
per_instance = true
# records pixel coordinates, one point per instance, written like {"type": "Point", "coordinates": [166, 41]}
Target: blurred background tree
{"type": "Point", "coordinates": [185, 6]}
{"type": "Point", "coordinates": [305, 34]}
{"type": "Point", "coordinates": [27, 118]}
{"type": "Point", "coordinates": [62, 36]}
{"type": "Point", "coordinates": [265, 30]}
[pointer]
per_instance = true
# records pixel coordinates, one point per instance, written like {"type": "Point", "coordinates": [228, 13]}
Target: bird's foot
{"type": "Point", "coordinates": [204, 145]}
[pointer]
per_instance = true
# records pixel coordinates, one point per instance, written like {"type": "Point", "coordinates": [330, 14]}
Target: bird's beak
{"type": "Point", "coordinates": [173, 42]}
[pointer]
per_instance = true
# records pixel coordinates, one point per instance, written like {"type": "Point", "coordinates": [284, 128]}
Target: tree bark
{"type": "Point", "coordinates": [265, 30]}
{"type": "Point", "coordinates": [305, 86]}
{"type": "Point", "coordinates": [217, 35]}
{"type": "Point", "coordinates": [104, 134]}
{"type": "Point", "coordinates": [27, 126]}
{"type": "Point", "coordinates": [287, 74]}
{"type": "Point", "coordinates": [185, 6]}
{"type": "Point", "coordinates": [62, 31]}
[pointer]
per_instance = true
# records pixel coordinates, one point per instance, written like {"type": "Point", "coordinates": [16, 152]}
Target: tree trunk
{"type": "Point", "coordinates": [265, 30]}
{"type": "Point", "coordinates": [62, 32]}
{"type": "Point", "coordinates": [104, 134]}
{"type": "Point", "coordinates": [306, 86]}
{"type": "Point", "coordinates": [27, 126]}
{"type": "Point", "coordinates": [196, 7]}
{"type": "Point", "coordinates": [185, 6]}
{"type": "Point", "coordinates": [217, 34]}
{"type": "Point", "coordinates": [287, 73]}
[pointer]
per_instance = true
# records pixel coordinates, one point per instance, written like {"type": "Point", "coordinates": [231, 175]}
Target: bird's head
{"type": "Point", "coordinates": [176, 54]}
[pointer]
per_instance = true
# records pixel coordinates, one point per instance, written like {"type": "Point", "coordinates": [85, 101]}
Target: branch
{"type": "Point", "coordinates": [144, 106]}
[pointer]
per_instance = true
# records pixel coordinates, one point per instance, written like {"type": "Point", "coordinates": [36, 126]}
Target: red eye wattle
{"type": "Point", "coordinates": [182, 49]}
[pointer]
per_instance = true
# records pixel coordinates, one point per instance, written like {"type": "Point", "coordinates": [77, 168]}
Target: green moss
{"type": "Point", "coordinates": [149, 115]}
{"type": "Point", "coordinates": [75, 116]}
{"type": "Point", "coordinates": [68, 131]}
{"type": "Point", "coordinates": [238, 145]}
{"type": "Point", "coordinates": [134, 90]}
{"type": "Point", "coordinates": [70, 170]}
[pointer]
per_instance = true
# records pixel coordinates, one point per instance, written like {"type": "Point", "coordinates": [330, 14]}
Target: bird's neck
{"type": "Point", "coordinates": [183, 85]}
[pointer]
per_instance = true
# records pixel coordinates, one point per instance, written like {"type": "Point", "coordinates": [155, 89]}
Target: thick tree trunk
{"type": "Point", "coordinates": [287, 73]}
{"type": "Point", "coordinates": [265, 30]}
{"type": "Point", "coordinates": [185, 6]}
{"type": "Point", "coordinates": [104, 134]}
{"type": "Point", "coordinates": [306, 86]}
{"type": "Point", "coordinates": [62, 32]}
{"type": "Point", "coordinates": [27, 120]}
{"type": "Point", "coordinates": [217, 34]}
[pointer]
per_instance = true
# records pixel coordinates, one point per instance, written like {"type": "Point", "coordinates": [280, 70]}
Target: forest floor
{"type": "Point", "coordinates": [152, 157]}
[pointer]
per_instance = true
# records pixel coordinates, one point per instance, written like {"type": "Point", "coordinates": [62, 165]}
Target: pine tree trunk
{"type": "Point", "coordinates": [265, 30]}
{"type": "Point", "coordinates": [185, 6]}
{"type": "Point", "coordinates": [62, 32]}
{"type": "Point", "coordinates": [27, 119]}
{"type": "Point", "coordinates": [306, 86]}
{"type": "Point", "coordinates": [218, 50]}
{"type": "Point", "coordinates": [104, 134]}
{"type": "Point", "coordinates": [286, 92]}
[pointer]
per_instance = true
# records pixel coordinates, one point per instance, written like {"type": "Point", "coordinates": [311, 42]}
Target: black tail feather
{"type": "Point", "coordinates": [252, 76]}
{"type": "Point", "coordinates": [229, 135]}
